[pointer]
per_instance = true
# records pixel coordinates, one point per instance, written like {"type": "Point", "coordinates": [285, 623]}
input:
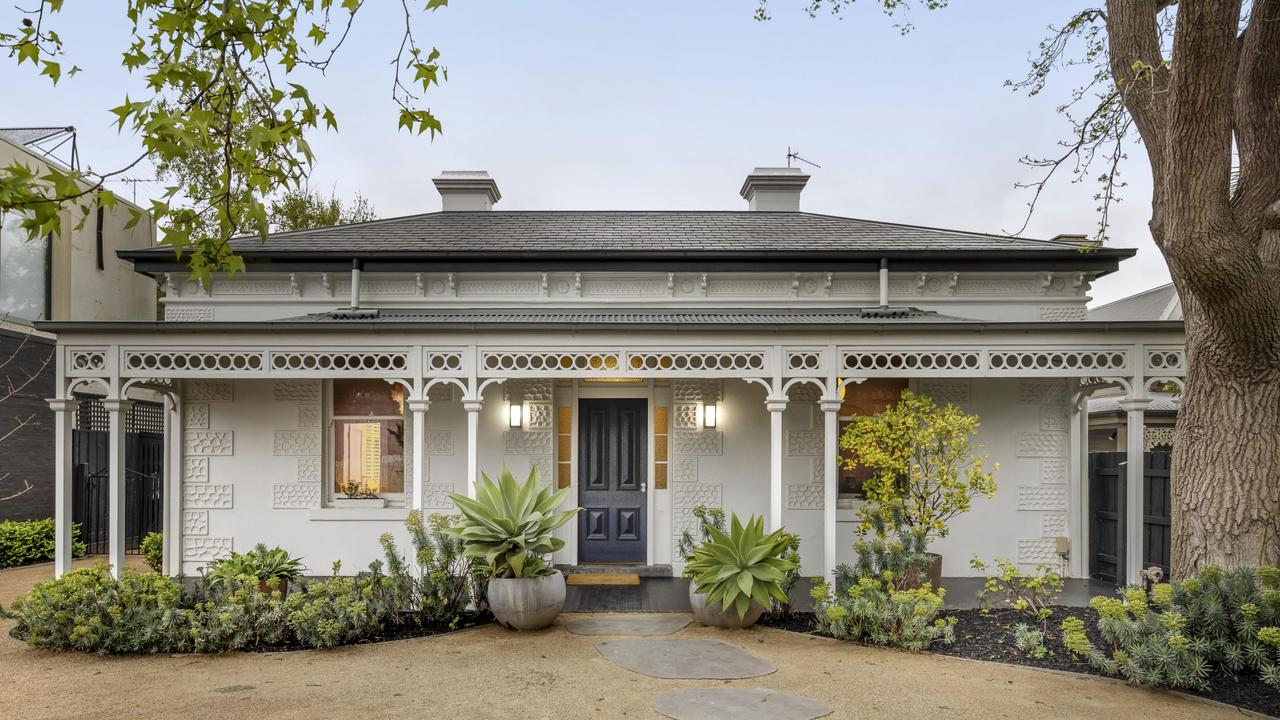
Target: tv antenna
{"type": "Point", "coordinates": [793, 155]}
{"type": "Point", "coordinates": [133, 182]}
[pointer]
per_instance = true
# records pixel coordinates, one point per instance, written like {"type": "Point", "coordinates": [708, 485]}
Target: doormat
{"type": "Point", "coordinates": [602, 579]}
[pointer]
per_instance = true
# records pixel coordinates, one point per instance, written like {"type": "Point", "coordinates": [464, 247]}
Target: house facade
{"type": "Point", "coordinates": [72, 275]}
{"type": "Point", "coordinates": [650, 361]}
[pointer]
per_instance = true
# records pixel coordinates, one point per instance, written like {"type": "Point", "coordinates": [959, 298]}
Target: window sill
{"type": "Point", "coordinates": [386, 514]}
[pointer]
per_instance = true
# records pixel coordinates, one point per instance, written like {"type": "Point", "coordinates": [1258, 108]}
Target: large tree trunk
{"type": "Point", "coordinates": [1226, 459]}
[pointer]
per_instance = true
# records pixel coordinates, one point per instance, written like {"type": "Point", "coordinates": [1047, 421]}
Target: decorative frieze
{"type": "Point", "coordinates": [309, 416]}
{"type": "Point", "coordinates": [308, 470]}
{"type": "Point", "coordinates": [1042, 444]}
{"type": "Point", "coordinates": [436, 495]}
{"type": "Point", "coordinates": [805, 496]}
{"type": "Point", "coordinates": [195, 416]}
{"type": "Point", "coordinates": [697, 442]}
{"type": "Point", "coordinates": [206, 391]}
{"type": "Point", "coordinates": [1155, 436]}
{"type": "Point", "coordinates": [195, 522]}
{"type": "Point", "coordinates": [944, 391]}
{"type": "Point", "coordinates": [187, 313]}
{"type": "Point", "coordinates": [295, 496]}
{"type": "Point", "coordinates": [370, 287]}
{"type": "Point", "coordinates": [207, 496]}
{"type": "Point", "coordinates": [205, 549]}
{"type": "Point", "coordinates": [195, 470]}
{"type": "Point", "coordinates": [686, 496]}
{"type": "Point", "coordinates": [379, 361]}
{"type": "Point", "coordinates": [1064, 360]}
{"type": "Point", "coordinates": [295, 442]}
{"type": "Point", "coordinates": [805, 442]}
{"type": "Point", "coordinates": [208, 442]}
{"type": "Point", "coordinates": [696, 361]}
{"type": "Point", "coordinates": [247, 286]}
{"type": "Point", "coordinates": [439, 442]}
{"type": "Point", "coordinates": [506, 287]}
{"type": "Point", "coordinates": [753, 287]}
{"type": "Point", "coordinates": [1053, 471]}
{"type": "Point", "coordinates": [1042, 391]}
{"type": "Point", "coordinates": [541, 361]}
{"type": "Point", "coordinates": [623, 287]}
{"type": "Point", "coordinates": [1064, 313]}
{"type": "Point", "coordinates": [995, 286]}
{"type": "Point", "coordinates": [527, 442]}
{"type": "Point", "coordinates": [1053, 524]}
{"type": "Point", "coordinates": [872, 361]}
{"type": "Point", "coordinates": [684, 470]}
{"type": "Point", "coordinates": [1036, 551]}
{"type": "Point", "coordinates": [1054, 418]}
{"type": "Point", "coordinates": [1050, 498]}
{"type": "Point", "coordinates": [307, 391]}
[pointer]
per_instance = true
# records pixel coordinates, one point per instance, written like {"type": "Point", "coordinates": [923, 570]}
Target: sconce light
{"type": "Point", "coordinates": [710, 415]}
{"type": "Point", "coordinates": [515, 414]}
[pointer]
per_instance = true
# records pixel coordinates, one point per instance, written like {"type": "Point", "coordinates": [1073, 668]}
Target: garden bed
{"type": "Point", "coordinates": [408, 630]}
{"type": "Point", "coordinates": [989, 637]}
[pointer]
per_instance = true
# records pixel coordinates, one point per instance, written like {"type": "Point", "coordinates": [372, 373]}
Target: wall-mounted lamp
{"type": "Point", "coordinates": [515, 415]}
{"type": "Point", "coordinates": [710, 415]}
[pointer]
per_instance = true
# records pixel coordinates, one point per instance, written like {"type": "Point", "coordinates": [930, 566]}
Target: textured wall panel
{"type": "Point", "coordinates": [309, 470]}
{"type": "Point", "coordinates": [1053, 471]}
{"type": "Point", "coordinates": [207, 496]}
{"type": "Point", "coordinates": [1054, 418]}
{"type": "Point", "coordinates": [203, 391]}
{"type": "Point", "coordinates": [806, 496]}
{"type": "Point", "coordinates": [309, 416]}
{"type": "Point", "coordinates": [697, 442]}
{"type": "Point", "coordinates": [295, 442]}
{"type": "Point", "coordinates": [527, 442]}
{"type": "Point", "coordinates": [1042, 391]}
{"type": "Point", "coordinates": [204, 549]}
{"type": "Point", "coordinates": [195, 470]}
{"type": "Point", "coordinates": [1038, 550]}
{"type": "Point", "coordinates": [805, 442]}
{"type": "Point", "coordinates": [684, 469]}
{"type": "Point", "coordinates": [1039, 444]}
{"type": "Point", "coordinates": [1053, 524]}
{"type": "Point", "coordinates": [195, 416]}
{"type": "Point", "coordinates": [436, 495]}
{"type": "Point", "coordinates": [944, 391]}
{"type": "Point", "coordinates": [195, 522]}
{"type": "Point", "coordinates": [295, 496]}
{"type": "Point", "coordinates": [686, 496]}
{"type": "Point", "coordinates": [209, 442]}
{"type": "Point", "coordinates": [1051, 498]}
{"type": "Point", "coordinates": [296, 390]}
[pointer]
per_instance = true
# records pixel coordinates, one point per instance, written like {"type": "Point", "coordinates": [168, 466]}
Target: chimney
{"type": "Point", "coordinates": [466, 190]}
{"type": "Point", "coordinates": [774, 189]}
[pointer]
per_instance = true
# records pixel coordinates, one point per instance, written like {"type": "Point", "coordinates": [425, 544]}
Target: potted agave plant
{"type": "Point", "coordinates": [735, 575]}
{"type": "Point", "coordinates": [509, 525]}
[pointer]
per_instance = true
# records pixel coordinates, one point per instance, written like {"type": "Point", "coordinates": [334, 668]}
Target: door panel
{"type": "Point", "coordinates": [613, 458]}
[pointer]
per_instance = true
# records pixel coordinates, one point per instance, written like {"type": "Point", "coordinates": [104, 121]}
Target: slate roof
{"type": "Point", "coordinates": [639, 316]}
{"type": "Point", "coordinates": [515, 232]}
{"type": "Point", "coordinates": [1160, 403]}
{"type": "Point", "coordinates": [1158, 303]}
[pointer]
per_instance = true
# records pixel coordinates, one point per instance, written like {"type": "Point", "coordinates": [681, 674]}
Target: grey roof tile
{"type": "Point", "coordinates": [639, 316]}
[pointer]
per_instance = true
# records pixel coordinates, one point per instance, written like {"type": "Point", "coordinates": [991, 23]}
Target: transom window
{"type": "Point", "coordinates": [368, 436]}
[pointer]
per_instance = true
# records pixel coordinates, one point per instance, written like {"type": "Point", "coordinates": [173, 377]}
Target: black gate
{"type": "Point", "coordinates": [1107, 481]}
{"type": "Point", "coordinates": [144, 474]}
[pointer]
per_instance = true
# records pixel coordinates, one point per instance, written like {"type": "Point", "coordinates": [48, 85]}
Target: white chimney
{"type": "Point", "coordinates": [466, 190]}
{"type": "Point", "coordinates": [774, 189]}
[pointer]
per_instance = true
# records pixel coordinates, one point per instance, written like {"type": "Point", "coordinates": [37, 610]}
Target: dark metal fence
{"type": "Point", "coordinates": [1107, 482]}
{"type": "Point", "coordinates": [144, 474]}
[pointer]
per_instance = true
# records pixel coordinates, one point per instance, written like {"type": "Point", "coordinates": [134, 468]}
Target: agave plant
{"type": "Point", "coordinates": [509, 524]}
{"type": "Point", "coordinates": [742, 565]}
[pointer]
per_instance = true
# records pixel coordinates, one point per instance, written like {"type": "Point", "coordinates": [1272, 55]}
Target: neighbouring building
{"type": "Point", "coordinates": [650, 361]}
{"type": "Point", "coordinates": [72, 276]}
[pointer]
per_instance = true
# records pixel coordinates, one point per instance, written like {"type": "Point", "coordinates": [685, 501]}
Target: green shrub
{"type": "Point", "coordinates": [90, 611]}
{"type": "Point", "coordinates": [23, 542]}
{"type": "Point", "coordinates": [337, 610]}
{"type": "Point", "coordinates": [901, 560]}
{"type": "Point", "coordinates": [707, 517]}
{"type": "Point", "coordinates": [1217, 620]}
{"type": "Point", "coordinates": [1032, 595]}
{"type": "Point", "coordinates": [1029, 640]}
{"type": "Point", "coordinates": [233, 615]}
{"type": "Point", "coordinates": [265, 565]}
{"type": "Point", "coordinates": [153, 551]}
{"type": "Point", "coordinates": [744, 564]}
{"type": "Point", "coordinates": [873, 611]}
{"type": "Point", "coordinates": [447, 579]}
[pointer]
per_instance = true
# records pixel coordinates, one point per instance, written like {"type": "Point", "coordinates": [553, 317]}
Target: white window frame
{"type": "Point", "coordinates": [394, 499]}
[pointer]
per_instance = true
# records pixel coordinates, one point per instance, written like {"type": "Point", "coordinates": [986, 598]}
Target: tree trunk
{"type": "Point", "coordinates": [1226, 460]}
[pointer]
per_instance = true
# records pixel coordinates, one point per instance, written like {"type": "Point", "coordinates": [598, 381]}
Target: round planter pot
{"type": "Point", "coordinates": [933, 574]}
{"type": "Point", "coordinates": [715, 616]}
{"type": "Point", "coordinates": [526, 603]}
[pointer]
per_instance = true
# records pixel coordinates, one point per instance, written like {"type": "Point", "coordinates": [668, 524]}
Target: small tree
{"type": "Point", "coordinates": [924, 466]}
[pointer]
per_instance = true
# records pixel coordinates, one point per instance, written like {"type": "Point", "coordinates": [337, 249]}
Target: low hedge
{"type": "Point", "coordinates": [23, 542]}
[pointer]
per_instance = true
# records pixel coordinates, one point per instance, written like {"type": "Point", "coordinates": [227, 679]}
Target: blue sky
{"type": "Point", "coordinates": [667, 105]}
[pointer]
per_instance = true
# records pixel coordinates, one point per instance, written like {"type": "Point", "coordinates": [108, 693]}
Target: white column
{"type": "Point", "coordinates": [173, 485]}
{"type": "Point", "coordinates": [419, 410]}
{"type": "Point", "coordinates": [1135, 411]}
{"type": "Point", "coordinates": [473, 406]}
{"type": "Point", "coordinates": [775, 405]}
{"type": "Point", "coordinates": [117, 410]}
{"type": "Point", "coordinates": [63, 470]}
{"type": "Point", "coordinates": [1078, 516]}
{"type": "Point", "coordinates": [831, 482]}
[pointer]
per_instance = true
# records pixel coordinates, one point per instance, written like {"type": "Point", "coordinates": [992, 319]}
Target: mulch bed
{"type": "Point", "coordinates": [413, 628]}
{"type": "Point", "coordinates": [989, 637]}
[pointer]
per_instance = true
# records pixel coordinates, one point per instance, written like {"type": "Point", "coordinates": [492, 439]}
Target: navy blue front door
{"type": "Point", "coordinates": [612, 459]}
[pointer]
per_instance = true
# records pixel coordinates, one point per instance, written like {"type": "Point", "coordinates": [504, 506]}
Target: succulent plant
{"type": "Point", "coordinates": [744, 564]}
{"type": "Point", "coordinates": [509, 524]}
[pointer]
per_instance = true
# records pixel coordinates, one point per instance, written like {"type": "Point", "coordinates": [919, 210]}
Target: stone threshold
{"type": "Point", "coordinates": [641, 570]}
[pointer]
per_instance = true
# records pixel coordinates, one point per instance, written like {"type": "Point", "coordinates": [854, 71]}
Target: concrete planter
{"type": "Point", "coordinates": [715, 616]}
{"type": "Point", "coordinates": [526, 603]}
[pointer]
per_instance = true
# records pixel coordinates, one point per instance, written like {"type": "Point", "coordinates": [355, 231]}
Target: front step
{"type": "Point", "coordinates": [644, 571]}
{"type": "Point", "coordinates": [603, 579]}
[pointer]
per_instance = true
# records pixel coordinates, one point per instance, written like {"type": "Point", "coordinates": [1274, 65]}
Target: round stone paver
{"type": "Point", "coordinates": [737, 704]}
{"type": "Point", "coordinates": [685, 659]}
{"type": "Point", "coordinates": [627, 624]}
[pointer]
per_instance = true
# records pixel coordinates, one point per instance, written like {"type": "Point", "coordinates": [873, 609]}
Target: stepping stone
{"type": "Point", "coordinates": [685, 659]}
{"type": "Point", "coordinates": [627, 624]}
{"type": "Point", "coordinates": [737, 704]}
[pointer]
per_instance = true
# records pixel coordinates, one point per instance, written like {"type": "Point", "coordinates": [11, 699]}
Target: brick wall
{"type": "Point", "coordinates": [29, 453]}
